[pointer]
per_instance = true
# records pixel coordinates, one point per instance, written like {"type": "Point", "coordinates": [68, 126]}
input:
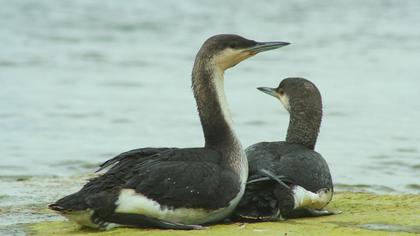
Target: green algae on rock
{"type": "Point", "coordinates": [362, 214]}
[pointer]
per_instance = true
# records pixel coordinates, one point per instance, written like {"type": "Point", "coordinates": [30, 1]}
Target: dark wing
{"type": "Point", "coordinates": [191, 178]}
{"type": "Point", "coordinates": [269, 176]}
{"type": "Point", "coordinates": [265, 154]}
{"type": "Point", "coordinates": [187, 178]}
{"type": "Point", "coordinates": [303, 166]}
{"type": "Point", "coordinates": [133, 154]}
{"type": "Point", "coordinates": [306, 167]}
{"type": "Point", "coordinates": [273, 167]}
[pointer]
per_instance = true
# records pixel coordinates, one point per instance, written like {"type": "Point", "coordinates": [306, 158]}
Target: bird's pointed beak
{"type": "Point", "coordinates": [266, 46]}
{"type": "Point", "coordinates": [269, 91]}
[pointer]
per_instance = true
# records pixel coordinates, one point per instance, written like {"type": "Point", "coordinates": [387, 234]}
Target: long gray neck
{"type": "Point", "coordinates": [304, 125]}
{"type": "Point", "coordinates": [207, 83]}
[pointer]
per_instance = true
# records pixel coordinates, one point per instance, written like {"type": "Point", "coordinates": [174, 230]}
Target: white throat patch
{"type": "Point", "coordinates": [230, 57]}
{"type": "Point", "coordinates": [218, 81]}
{"type": "Point", "coordinates": [285, 101]}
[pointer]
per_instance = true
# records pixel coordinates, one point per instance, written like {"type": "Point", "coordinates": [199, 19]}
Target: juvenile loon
{"type": "Point", "coordinates": [176, 188]}
{"type": "Point", "coordinates": [289, 179]}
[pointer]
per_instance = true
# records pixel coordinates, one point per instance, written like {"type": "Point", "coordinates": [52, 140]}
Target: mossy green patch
{"type": "Point", "coordinates": [362, 214]}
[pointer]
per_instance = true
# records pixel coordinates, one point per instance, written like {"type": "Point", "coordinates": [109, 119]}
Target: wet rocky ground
{"type": "Point", "coordinates": [361, 214]}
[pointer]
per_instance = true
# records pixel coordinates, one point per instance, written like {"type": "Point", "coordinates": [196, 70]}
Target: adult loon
{"type": "Point", "coordinates": [176, 188]}
{"type": "Point", "coordinates": [289, 179]}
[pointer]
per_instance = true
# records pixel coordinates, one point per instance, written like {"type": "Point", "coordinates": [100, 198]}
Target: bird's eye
{"type": "Point", "coordinates": [281, 92]}
{"type": "Point", "coordinates": [232, 45]}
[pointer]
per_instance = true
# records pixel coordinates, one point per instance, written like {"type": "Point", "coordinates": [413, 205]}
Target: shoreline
{"type": "Point", "coordinates": [362, 214]}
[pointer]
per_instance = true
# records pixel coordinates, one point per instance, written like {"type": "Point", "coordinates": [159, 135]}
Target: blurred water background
{"type": "Point", "coordinates": [83, 80]}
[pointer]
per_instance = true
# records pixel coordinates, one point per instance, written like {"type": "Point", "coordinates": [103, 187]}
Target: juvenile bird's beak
{"type": "Point", "coordinates": [269, 91]}
{"type": "Point", "coordinates": [265, 46]}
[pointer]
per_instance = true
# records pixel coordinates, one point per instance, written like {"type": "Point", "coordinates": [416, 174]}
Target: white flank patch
{"type": "Point", "coordinates": [131, 202]}
{"type": "Point", "coordinates": [305, 198]}
{"type": "Point", "coordinates": [111, 226]}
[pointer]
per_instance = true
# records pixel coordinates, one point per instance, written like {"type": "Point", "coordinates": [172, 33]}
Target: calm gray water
{"type": "Point", "coordinates": [83, 80]}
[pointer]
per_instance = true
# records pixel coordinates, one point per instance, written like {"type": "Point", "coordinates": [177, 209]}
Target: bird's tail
{"type": "Point", "coordinates": [72, 202]}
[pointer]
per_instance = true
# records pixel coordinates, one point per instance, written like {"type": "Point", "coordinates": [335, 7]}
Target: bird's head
{"type": "Point", "coordinates": [227, 50]}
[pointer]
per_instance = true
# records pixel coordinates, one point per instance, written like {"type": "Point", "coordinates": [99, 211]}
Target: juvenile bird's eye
{"type": "Point", "coordinates": [232, 45]}
{"type": "Point", "coordinates": [281, 92]}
